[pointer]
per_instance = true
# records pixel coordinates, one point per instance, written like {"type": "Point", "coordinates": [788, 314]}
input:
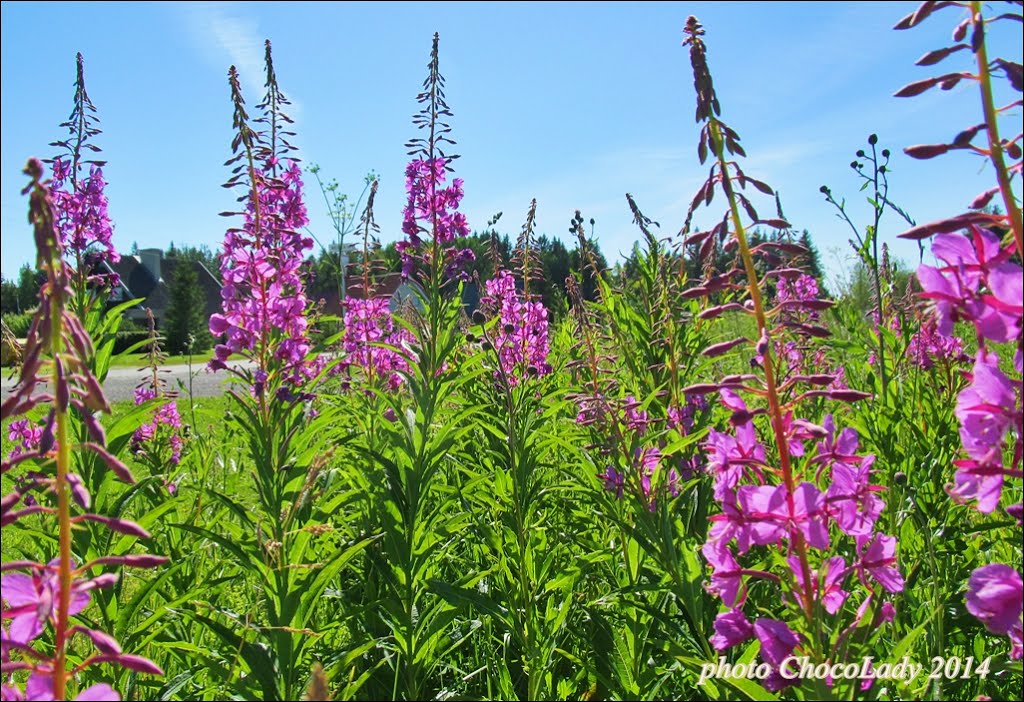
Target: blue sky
{"type": "Point", "coordinates": [574, 104]}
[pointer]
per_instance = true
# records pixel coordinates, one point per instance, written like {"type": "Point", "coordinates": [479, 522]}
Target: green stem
{"type": "Point", "coordinates": [63, 501]}
{"type": "Point", "coordinates": [774, 404]}
{"type": "Point", "coordinates": [995, 146]}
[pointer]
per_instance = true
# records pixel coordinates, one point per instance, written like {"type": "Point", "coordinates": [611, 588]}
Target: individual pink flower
{"type": "Point", "coordinates": [995, 595]}
{"type": "Point", "coordinates": [877, 558]}
{"type": "Point", "coordinates": [33, 601]}
{"type": "Point", "coordinates": [778, 642]}
{"type": "Point", "coordinates": [613, 481]}
{"type": "Point", "coordinates": [986, 408]}
{"type": "Point", "coordinates": [731, 455]}
{"type": "Point", "coordinates": [827, 586]}
{"type": "Point", "coordinates": [727, 575]}
{"type": "Point", "coordinates": [851, 499]}
{"type": "Point", "coordinates": [731, 629]}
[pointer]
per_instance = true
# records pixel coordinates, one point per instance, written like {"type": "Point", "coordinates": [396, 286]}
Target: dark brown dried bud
{"type": "Point", "coordinates": [952, 224]}
{"type": "Point", "coordinates": [926, 151]}
{"type": "Point", "coordinates": [723, 347]}
{"type": "Point", "coordinates": [933, 57]}
{"type": "Point", "coordinates": [983, 199]}
{"type": "Point", "coordinates": [918, 15]}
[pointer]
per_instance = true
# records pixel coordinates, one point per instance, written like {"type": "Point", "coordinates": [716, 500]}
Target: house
{"type": "Point", "coordinates": [147, 275]}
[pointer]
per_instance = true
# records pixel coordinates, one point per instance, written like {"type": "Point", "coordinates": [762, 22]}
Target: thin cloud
{"type": "Point", "coordinates": [226, 37]}
{"type": "Point", "coordinates": [222, 34]}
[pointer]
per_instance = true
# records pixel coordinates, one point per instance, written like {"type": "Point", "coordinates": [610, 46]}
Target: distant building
{"type": "Point", "coordinates": [148, 276]}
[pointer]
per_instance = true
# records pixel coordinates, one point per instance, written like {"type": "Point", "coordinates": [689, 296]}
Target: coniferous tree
{"type": "Point", "coordinates": [186, 325]}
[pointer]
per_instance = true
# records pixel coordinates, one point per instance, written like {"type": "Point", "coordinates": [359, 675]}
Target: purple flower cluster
{"type": "Point", "coordinates": [431, 210]}
{"type": "Point", "coordinates": [980, 285]}
{"type": "Point", "coordinates": [521, 339]}
{"type": "Point", "coordinates": [25, 435]}
{"type": "Point", "coordinates": [160, 438]}
{"type": "Point", "coordinates": [83, 222]}
{"type": "Point", "coordinates": [263, 295]}
{"type": "Point", "coordinates": [802, 288]}
{"type": "Point", "coordinates": [799, 518]}
{"type": "Point", "coordinates": [928, 347]}
{"type": "Point", "coordinates": [369, 330]}
{"type": "Point", "coordinates": [797, 297]}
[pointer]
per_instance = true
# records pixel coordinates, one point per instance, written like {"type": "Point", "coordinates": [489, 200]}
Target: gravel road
{"type": "Point", "coordinates": [121, 382]}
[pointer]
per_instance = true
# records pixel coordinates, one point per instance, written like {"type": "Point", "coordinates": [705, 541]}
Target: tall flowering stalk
{"type": "Point", "coordinates": [515, 465]}
{"type": "Point", "coordinates": [412, 502]}
{"type": "Point", "coordinates": [809, 496]}
{"type": "Point", "coordinates": [158, 442]}
{"type": "Point", "coordinates": [978, 283]}
{"type": "Point", "coordinates": [82, 219]}
{"type": "Point", "coordinates": [263, 295]}
{"type": "Point", "coordinates": [371, 339]}
{"type": "Point", "coordinates": [279, 543]}
{"type": "Point", "coordinates": [432, 207]}
{"type": "Point", "coordinates": [57, 351]}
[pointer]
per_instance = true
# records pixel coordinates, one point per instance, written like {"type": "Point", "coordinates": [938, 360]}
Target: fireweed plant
{"type": "Point", "coordinates": [511, 486]}
{"type": "Point", "coordinates": [39, 600]}
{"type": "Point", "coordinates": [84, 226]}
{"type": "Point", "coordinates": [798, 515]}
{"type": "Point", "coordinates": [978, 282]}
{"type": "Point", "coordinates": [417, 448]}
{"type": "Point", "coordinates": [159, 442]}
{"type": "Point", "coordinates": [371, 339]}
{"type": "Point", "coordinates": [287, 548]}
